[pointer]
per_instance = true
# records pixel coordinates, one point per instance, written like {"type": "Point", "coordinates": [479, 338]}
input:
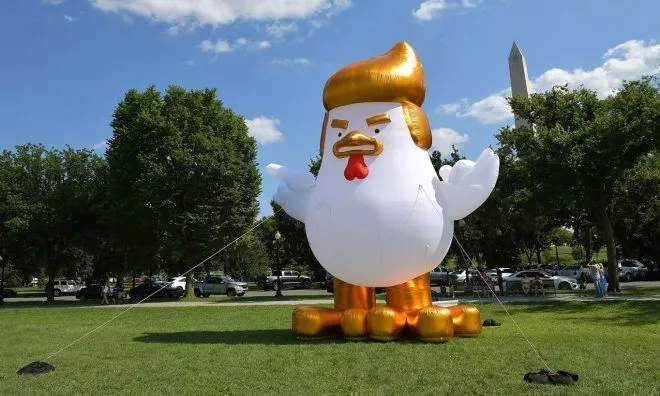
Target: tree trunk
{"type": "Point", "coordinates": [588, 245]}
{"type": "Point", "coordinates": [528, 253]}
{"type": "Point", "coordinates": [612, 264]}
{"type": "Point", "coordinates": [50, 297]}
{"type": "Point", "coordinates": [538, 255]}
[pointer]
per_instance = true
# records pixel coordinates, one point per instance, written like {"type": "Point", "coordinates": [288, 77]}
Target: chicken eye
{"type": "Point", "coordinates": [377, 130]}
{"type": "Point", "coordinates": [339, 134]}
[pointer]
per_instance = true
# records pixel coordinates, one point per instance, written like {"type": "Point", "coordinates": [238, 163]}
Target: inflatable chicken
{"type": "Point", "coordinates": [377, 214]}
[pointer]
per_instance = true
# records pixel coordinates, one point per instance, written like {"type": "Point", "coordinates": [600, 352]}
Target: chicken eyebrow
{"type": "Point", "coordinates": [378, 119]}
{"type": "Point", "coordinates": [341, 124]}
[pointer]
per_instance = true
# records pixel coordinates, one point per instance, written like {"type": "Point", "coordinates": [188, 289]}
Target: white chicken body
{"type": "Point", "coordinates": [388, 227]}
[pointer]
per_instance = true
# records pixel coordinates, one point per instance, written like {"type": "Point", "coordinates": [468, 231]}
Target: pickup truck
{"type": "Point", "coordinates": [220, 285]}
{"type": "Point", "coordinates": [289, 279]}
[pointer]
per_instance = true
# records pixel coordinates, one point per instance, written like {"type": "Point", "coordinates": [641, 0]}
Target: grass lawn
{"type": "Point", "coordinates": [250, 350]}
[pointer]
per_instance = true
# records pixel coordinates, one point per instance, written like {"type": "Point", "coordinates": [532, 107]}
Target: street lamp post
{"type": "Point", "coordinates": [278, 292]}
{"type": "Point", "coordinates": [2, 282]}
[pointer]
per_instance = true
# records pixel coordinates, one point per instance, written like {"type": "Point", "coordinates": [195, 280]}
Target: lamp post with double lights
{"type": "Point", "coordinates": [278, 236]}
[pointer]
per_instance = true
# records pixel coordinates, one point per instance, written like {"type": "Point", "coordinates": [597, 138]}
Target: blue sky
{"type": "Point", "coordinates": [66, 63]}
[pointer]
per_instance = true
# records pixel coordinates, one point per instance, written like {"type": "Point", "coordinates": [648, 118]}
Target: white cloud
{"type": "Point", "coordinates": [190, 62]}
{"type": "Point", "coordinates": [100, 145]}
{"type": "Point", "coordinates": [264, 130]}
{"type": "Point", "coordinates": [279, 30]}
{"type": "Point", "coordinates": [223, 46]}
{"type": "Point", "coordinates": [174, 30]}
{"type": "Point", "coordinates": [53, 2]}
{"type": "Point", "coordinates": [70, 18]}
{"type": "Point", "coordinates": [221, 12]}
{"type": "Point", "coordinates": [451, 108]}
{"type": "Point", "coordinates": [627, 61]}
{"type": "Point", "coordinates": [217, 47]}
{"type": "Point", "coordinates": [427, 9]}
{"type": "Point", "coordinates": [444, 138]}
{"type": "Point", "coordinates": [430, 9]}
{"type": "Point", "coordinates": [263, 44]}
{"type": "Point", "coordinates": [290, 62]}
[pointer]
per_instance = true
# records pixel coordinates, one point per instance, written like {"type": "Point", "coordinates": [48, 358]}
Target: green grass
{"type": "Point", "coordinates": [250, 350]}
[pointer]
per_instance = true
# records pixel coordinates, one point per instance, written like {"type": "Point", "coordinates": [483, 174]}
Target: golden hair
{"type": "Point", "coordinates": [395, 76]}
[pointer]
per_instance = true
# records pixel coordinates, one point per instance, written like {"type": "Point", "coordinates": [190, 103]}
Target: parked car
{"type": "Point", "coordinates": [91, 292]}
{"type": "Point", "coordinates": [506, 272]}
{"type": "Point", "coordinates": [8, 292]}
{"type": "Point", "coordinates": [289, 279]}
{"type": "Point", "coordinates": [630, 270]}
{"type": "Point", "coordinates": [220, 285]}
{"type": "Point", "coordinates": [65, 286]}
{"type": "Point", "coordinates": [458, 276]}
{"type": "Point", "coordinates": [556, 282]}
{"type": "Point", "coordinates": [440, 276]}
{"type": "Point", "coordinates": [177, 283]}
{"type": "Point", "coordinates": [156, 288]}
{"type": "Point", "coordinates": [574, 271]}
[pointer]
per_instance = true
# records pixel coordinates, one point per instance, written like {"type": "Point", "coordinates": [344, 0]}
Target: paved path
{"type": "Point", "coordinates": [445, 303]}
{"type": "Point", "coordinates": [323, 301]}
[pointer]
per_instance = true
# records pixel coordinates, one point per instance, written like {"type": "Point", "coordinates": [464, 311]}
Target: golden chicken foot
{"type": "Point", "coordinates": [409, 314]}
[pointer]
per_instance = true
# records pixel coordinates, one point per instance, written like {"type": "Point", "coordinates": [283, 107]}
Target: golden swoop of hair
{"type": "Point", "coordinates": [395, 76]}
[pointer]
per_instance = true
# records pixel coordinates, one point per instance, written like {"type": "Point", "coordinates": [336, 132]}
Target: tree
{"type": "Point", "coordinates": [637, 210]}
{"type": "Point", "coordinates": [52, 194]}
{"type": "Point", "coordinates": [194, 168]}
{"type": "Point", "coordinates": [248, 258]}
{"type": "Point", "coordinates": [14, 219]}
{"type": "Point", "coordinates": [580, 146]}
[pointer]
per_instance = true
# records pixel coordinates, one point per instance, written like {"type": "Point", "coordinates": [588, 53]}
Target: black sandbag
{"type": "Point", "coordinates": [547, 378]}
{"type": "Point", "coordinates": [36, 368]}
{"type": "Point", "coordinates": [491, 322]}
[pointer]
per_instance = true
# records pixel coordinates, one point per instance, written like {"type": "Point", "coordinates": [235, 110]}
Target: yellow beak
{"type": "Point", "coordinates": [356, 143]}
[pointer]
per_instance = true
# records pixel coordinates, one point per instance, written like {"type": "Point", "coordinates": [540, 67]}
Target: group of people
{"type": "Point", "coordinates": [108, 294]}
{"type": "Point", "coordinates": [597, 273]}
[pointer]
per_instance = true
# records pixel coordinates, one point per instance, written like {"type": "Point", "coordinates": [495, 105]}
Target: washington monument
{"type": "Point", "coordinates": [519, 80]}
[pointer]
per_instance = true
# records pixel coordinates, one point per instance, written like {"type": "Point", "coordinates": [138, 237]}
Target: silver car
{"type": "Point", "coordinates": [631, 269]}
{"type": "Point", "coordinates": [556, 282]}
{"type": "Point", "coordinates": [65, 286]}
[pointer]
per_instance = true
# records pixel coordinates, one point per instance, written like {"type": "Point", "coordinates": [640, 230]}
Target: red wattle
{"type": "Point", "coordinates": [356, 168]}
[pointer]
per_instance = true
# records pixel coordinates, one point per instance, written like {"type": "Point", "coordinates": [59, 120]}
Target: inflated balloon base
{"type": "Point", "coordinates": [36, 368]}
{"type": "Point", "coordinates": [548, 378]}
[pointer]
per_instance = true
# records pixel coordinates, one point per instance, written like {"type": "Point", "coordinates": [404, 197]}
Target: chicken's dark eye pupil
{"type": "Point", "coordinates": [377, 131]}
{"type": "Point", "coordinates": [339, 134]}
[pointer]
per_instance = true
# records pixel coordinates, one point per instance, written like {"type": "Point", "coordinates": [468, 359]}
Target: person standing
{"type": "Point", "coordinates": [499, 281]}
{"type": "Point", "coordinates": [603, 280]}
{"type": "Point", "coordinates": [583, 285]}
{"type": "Point", "coordinates": [105, 293]}
{"type": "Point", "coordinates": [595, 276]}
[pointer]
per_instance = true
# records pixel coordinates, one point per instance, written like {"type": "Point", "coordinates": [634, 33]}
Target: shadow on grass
{"type": "Point", "coordinates": [233, 337]}
{"type": "Point", "coordinates": [621, 313]}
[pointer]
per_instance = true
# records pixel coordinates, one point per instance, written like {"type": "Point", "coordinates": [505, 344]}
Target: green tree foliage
{"type": "Point", "coordinates": [188, 167]}
{"type": "Point", "coordinates": [247, 259]}
{"type": "Point", "coordinates": [581, 146]}
{"type": "Point", "coordinates": [48, 207]}
{"type": "Point", "coordinates": [636, 208]}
